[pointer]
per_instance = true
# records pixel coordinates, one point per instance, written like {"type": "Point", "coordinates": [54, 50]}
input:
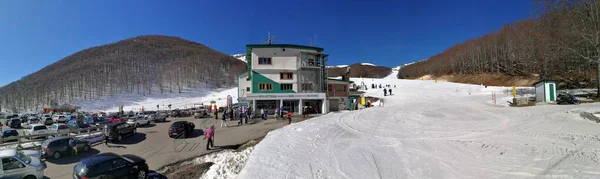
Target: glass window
{"type": "Point", "coordinates": [286, 86]}
{"type": "Point", "coordinates": [118, 163]}
{"type": "Point", "coordinates": [39, 128]}
{"type": "Point", "coordinates": [307, 87]}
{"type": "Point", "coordinates": [286, 76]}
{"type": "Point", "coordinates": [329, 88]}
{"type": "Point", "coordinates": [340, 88]}
{"type": "Point", "coordinates": [247, 89]}
{"type": "Point", "coordinates": [264, 61]}
{"type": "Point", "coordinates": [23, 157]}
{"type": "Point", "coordinates": [11, 164]}
{"type": "Point", "coordinates": [265, 86]}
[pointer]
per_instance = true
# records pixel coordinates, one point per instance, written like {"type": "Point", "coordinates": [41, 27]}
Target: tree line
{"type": "Point", "coordinates": [561, 41]}
{"type": "Point", "coordinates": [142, 65]}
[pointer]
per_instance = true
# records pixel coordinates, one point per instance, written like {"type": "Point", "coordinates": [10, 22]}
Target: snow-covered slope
{"type": "Point", "coordinates": [370, 64]}
{"type": "Point", "coordinates": [185, 99]}
{"type": "Point", "coordinates": [433, 130]}
{"type": "Point", "coordinates": [241, 56]}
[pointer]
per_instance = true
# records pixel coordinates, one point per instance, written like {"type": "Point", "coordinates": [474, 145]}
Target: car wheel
{"type": "Point", "coordinates": [29, 177]}
{"type": "Point", "coordinates": [86, 148]}
{"type": "Point", "coordinates": [56, 155]}
{"type": "Point", "coordinates": [142, 174]}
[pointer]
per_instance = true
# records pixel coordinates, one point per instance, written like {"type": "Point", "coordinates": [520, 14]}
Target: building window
{"type": "Point", "coordinates": [340, 88]}
{"type": "Point", "coordinates": [265, 86]}
{"type": "Point", "coordinates": [286, 86]}
{"type": "Point", "coordinates": [329, 87]}
{"type": "Point", "coordinates": [247, 89]}
{"type": "Point", "coordinates": [307, 86]}
{"type": "Point", "coordinates": [286, 76]}
{"type": "Point", "coordinates": [264, 61]}
{"type": "Point", "coordinates": [311, 62]}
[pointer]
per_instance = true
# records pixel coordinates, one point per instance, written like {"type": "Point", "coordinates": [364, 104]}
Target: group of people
{"type": "Point", "coordinates": [385, 92]}
{"type": "Point", "coordinates": [384, 86]}
{"type": "Point", "coordinates": [244, 115]}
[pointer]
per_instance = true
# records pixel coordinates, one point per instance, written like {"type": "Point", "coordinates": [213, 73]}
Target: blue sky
{"type": "Point", "coordinates": [34, 34]}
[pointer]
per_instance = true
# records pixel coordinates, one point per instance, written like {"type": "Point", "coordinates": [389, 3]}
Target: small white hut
{"type": "Point", "coordinates": [545, 91]}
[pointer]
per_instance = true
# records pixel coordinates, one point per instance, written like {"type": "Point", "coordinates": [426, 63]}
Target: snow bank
{"type": "Point", "coordinates": [227, 163]}
{"type": "Point", "coordinates": [370, 64]}
{"type": "Point", "coordinates": [433, 130]}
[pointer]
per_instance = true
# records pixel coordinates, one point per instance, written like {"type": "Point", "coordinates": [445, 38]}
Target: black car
{"type": "Point", "coordinates": [56, 147]}
{"type": "Point", "coordinates": [117, 131]}
{"type": "Point", "coordinates": [48, 121]}
{"type": "Point", "coordinates": [181, 128]}
{"type": "Point", "coordinates": [111, 165]}
{"type": "Point", "coordinates": [6, 133]}
{"type": "Point", "coordinates": [14, 123]}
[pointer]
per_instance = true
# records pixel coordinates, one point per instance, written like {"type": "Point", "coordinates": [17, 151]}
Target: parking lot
{"type": "Point", "coordinates": [153, 143]}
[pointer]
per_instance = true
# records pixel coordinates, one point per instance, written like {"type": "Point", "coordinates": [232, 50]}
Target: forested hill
{"type": "Point", "coordinates": [560, 43]}
{"type": "Point", "coordinates": [141, 65]}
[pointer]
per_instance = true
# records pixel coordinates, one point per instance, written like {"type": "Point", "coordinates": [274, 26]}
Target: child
{"type": "Point", "coordinates": [289, 117]}
{"type": "Point", "coordinates": [210, 134]}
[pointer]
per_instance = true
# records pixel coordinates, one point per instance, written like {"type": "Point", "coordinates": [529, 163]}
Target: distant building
{"type": "Point", "coordinates": [292, 76]}
{"type": "Point", "coordinates": [545, 91]}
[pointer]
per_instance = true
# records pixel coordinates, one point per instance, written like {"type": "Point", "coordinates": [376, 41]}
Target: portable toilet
{"type": "Point", "coordinates": [545, 91]}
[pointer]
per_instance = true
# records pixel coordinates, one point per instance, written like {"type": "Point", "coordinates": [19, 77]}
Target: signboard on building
{"type": "Point", "coordinates": [275, 96]}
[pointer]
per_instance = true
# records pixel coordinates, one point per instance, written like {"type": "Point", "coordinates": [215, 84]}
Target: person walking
{"type": "Point", "coordinates": [242, 116]}
{"type": "Point", "coordinates": [289, 117]}
{"type": "Point", "coordinates": [223, 121]}
{"type": "Point", "coordinates": [106, 140]}
{"type": "Point", "coordinates": [231, 114]}
{"type": "Point", "coordinates": [209, 134]}
{"type": "Point", "coordinates": [276, 113]}
{"type": "Point", "coordinates": [384, 92]}
{"type": "Point", "coordinates": [304, 111]}
{"type": "Point", "coordinates": [216, 115]}
{"type": "Point", "coordinates": [262, 114]}
{"type": "Point", "coordinates": [390, 91]}
{"type": "Point", "coordinates": [381, 102]}
{"type": "Point", "coordinates": [73, 146]}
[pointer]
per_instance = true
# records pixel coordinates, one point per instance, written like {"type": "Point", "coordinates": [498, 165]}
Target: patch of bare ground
{"type": "Point", "coordinates": [486, 79]}
{"type": "Point", "coordinates": [190, 171]}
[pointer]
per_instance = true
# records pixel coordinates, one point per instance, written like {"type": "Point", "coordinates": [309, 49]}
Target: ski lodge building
{"type": "Point", "coordinates": [289, 76]}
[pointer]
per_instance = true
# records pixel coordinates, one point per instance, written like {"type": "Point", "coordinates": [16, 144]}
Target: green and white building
{"type": "Point", "coordinates": [285, 75]}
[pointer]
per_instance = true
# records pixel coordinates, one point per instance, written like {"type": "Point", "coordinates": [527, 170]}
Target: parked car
{"type": "Point", "coordinates": [55, 148]}
{"type": "Point", "coordinates": [95, 121]}
{"type": "Point", "coordinates": [77, 124]}
{"type": "Point", "coordinates": [117, 131]}
{"type": "Point", "coordinates": [14, 123]}
{"type": "Point", "coordinates": [113, 119]}
{"type": "Point", "coordinates": [36, 129]}
{"type": "Point", "coordinates": [160, 117]}
{"type": "Point", "coordinates": [7, 133]}
{"type": "Point", "coordinates": [201, 114]}
{"type": "Point", "coordinates": [33, 121]}
{"type": "Point", "coordinates": [181, 128]}
{"type": "Point", "coordinates": [21, 164]}
{"type": "Point", "coordinates": [48, 121]}
{"type": "Point", "coordinates": [59, 118]}
{"type": "Point", "coordinates": [59, 128]}
{"type": "Point", "coordinates": [138, 121]}
{"type": "Point", "coordinates": [111, 165]}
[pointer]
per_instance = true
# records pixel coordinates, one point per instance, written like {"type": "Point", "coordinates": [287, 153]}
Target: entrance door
{"type": "Point", "coordinates": [551, 92]}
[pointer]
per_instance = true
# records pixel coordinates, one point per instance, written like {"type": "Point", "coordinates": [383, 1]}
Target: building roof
{"type": "Point", "coordinates": [318, 49]}
{"type": "Point", "coordinates": [8, 153]}
{"type": "Point", "coordinates": [338, 80]}
{"type": "Point", "coordinates": [543, 80]}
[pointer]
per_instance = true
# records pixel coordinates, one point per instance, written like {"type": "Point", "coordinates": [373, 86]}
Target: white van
{"type": "Point", "coordinates": [22, 164]}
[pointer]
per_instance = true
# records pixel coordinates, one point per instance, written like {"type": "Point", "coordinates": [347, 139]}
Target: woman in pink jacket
{"type": "Point", "coordinates": [210, 134]}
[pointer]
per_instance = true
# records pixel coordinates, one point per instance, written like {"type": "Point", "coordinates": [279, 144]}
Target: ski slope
{"type": "Point", "coordinates": [433, 130]}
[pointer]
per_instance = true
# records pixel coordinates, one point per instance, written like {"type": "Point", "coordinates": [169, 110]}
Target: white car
{"type": "Point", "coordinates": [21, 164]}
{"type": "Point", "coordinates": [59, 128]}
{"type": "Point", "coordinates": [59, 118]}
{"type": "Point", "coordinates": [138, 121]}
{"type": "Point", "coordinates": [36, 129]}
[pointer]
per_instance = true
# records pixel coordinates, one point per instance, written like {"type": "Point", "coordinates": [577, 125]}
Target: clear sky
{"type": "Point", "coordinates": [34, 34]}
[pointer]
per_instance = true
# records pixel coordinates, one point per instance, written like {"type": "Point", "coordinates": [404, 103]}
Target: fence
{"type": "Point", "coordinates": [34, 141]}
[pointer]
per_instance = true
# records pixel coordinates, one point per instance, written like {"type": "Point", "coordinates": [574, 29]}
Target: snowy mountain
{"type": "Point", "coordinates": [241, 56]}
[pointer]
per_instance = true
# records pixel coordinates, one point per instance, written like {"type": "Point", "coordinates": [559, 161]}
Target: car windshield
{"type": "Point", "coordinates": [35, 128]}
{"type": "Point", "coordinates": [11, 133]}
{"type": "Point", "coordinates": [23, 157]}
{"type": "Point", "coordinates": [81, 169]}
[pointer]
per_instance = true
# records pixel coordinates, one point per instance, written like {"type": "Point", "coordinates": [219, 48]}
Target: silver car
{"type": "Point", "coordinates": [22, 164]}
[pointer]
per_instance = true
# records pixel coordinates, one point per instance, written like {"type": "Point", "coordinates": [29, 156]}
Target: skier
{"type": "Point", "coordinates": [381, 102]}
{"type": "Point", "coordinates": [390, 91]}
{"type": "Point", "coordinates": [384, 92]}
{"type": "Point", "coordinates": [210, 134]}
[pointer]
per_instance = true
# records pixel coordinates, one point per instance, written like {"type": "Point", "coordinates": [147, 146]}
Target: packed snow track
{"type": "Point", "coordinates": [434, 130]}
